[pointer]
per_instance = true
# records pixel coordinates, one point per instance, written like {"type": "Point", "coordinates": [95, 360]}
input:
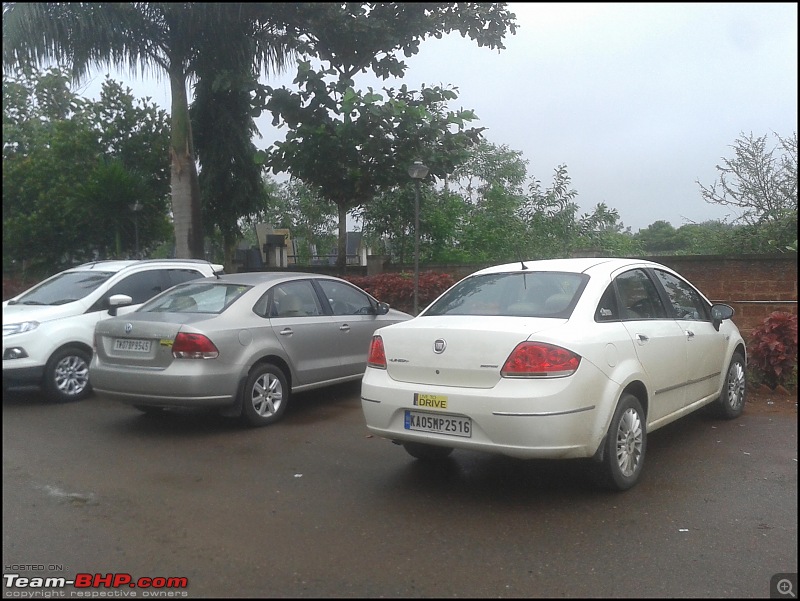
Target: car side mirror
{"type": "Point", "coordinates": [719, 313]}
{"type": "Point", "coordinates": [383, 308]}
{"type": "Point", "coordinates": [116, 301]}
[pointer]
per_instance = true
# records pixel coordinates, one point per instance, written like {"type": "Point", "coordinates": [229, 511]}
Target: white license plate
{"type": "Point", "coordinates": [132, 345]}
{"type": "Point", "coordinates": [451, 425]}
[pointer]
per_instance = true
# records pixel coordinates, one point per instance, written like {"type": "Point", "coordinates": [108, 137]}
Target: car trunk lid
{"type": "Point", "coordinates": [143, 341]}
{"type": "Point", "coordinates": [465, 351]}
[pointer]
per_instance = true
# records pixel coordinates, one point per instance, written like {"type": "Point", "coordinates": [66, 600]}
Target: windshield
{"type": "Point", "coordinates": [64, 288]}
{"type": "Point", "coordinates": [524, 294]}
{"type": "Point", "coordinates": [195, 298]}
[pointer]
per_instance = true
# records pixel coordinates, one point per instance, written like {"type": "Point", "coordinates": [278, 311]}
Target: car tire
{"type": "Point", "coordinates": [625, 446]}
{"type": "Point", "coordinates": [66, 375]}
{"type": "Point", "coordinates": [732, 398]}
{"type": "Point", "coordinates": [426, 452]}
{"type": "Point", "coordinates": [265, 395]}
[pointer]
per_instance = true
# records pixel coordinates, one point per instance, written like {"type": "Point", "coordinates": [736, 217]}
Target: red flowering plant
{"type": "Point", "coordinates": [773, 349]}
{"type": "Point", "coordinates": [397, 289]}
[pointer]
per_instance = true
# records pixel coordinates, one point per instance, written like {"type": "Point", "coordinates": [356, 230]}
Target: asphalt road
{"type": "Point", "coordinates": [315, 507]}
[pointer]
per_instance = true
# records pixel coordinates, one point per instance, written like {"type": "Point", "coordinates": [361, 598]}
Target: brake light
{"type": "Point", "coordinates": [539, 360]}
{"type": "Point", "coordinates": [377, 356]}
{"type": "Point", "coordinates": [193, 346]}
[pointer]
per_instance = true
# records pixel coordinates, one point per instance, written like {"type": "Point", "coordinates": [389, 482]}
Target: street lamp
{"type": "Point", "coordinates": [417, 171]}
{"type": "Point", "coordinates": [135, 208]}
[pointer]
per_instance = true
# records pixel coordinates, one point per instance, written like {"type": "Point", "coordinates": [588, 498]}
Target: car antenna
{"type": "Point", "coordinates": [214, 271]}
{"type": "Point", "coordinates": [519, 254]}
{"type": "Point", "coordinates": [524, 267]}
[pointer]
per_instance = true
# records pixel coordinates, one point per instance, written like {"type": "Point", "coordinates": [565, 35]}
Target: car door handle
{"type": "Point", "coordinates": [641, 338]}
{"type": "Point", "coordinates": [287, 332]}
{"type": "Point", "coordinates": [689, 334]}
{"type": "Point", "coordinates": [344, 327]}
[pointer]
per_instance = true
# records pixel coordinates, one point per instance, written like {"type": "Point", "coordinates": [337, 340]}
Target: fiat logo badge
{"type": "Point", "coordinates": [439, 346]}
{"type": "Point", "coordinates": [128, 328]}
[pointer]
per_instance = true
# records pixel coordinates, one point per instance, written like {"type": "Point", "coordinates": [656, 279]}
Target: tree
{"type": "Point", "coordinates": [360, 144]}
{"type": "Point", "coordinates": [146, 36]}
{"type": "Point", "coordinates": [551, 216]}
{"type": "Point", "coordinates": [73, 169]}
{"type": "Point", "coordinates": [492, 180]}
{"type": "Point", "coordinates": [349, 146]}
{"type": "Point", "coordinates": [760, 184]}
{"type": "Point", "coordinates": [222, 121]}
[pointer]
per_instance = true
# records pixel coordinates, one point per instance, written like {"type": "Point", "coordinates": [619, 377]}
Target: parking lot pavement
{"type": "Point", "coordinates": [316, 507]}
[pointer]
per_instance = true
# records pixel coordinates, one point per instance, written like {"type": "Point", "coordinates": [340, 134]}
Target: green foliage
{"type": "Point", "coordinates": [310, 218]}
{"type": "Point", "coordinates": [349, 144]}
{"type": "Point", "coordinates": [73, 169]}
{"type": "Point", "coordinates": [397, 289]}
{"type": "Point", "coordinates": [223, 126]}
{"type": "Point", "coordinates": [756, 182]}
{"type": "Point", "coordinates": [773, 348]}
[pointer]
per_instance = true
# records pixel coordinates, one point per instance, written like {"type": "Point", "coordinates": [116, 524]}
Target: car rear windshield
{"type": "Point", "coordinates": [196, 298]}
{"type": "Point", "coordinates": [64, 288]}
{"type": "Point", "coordinates": [522, 294]}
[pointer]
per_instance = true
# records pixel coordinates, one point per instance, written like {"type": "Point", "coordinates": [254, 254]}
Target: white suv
{"type": "Point", "coordinates": [48, 329]}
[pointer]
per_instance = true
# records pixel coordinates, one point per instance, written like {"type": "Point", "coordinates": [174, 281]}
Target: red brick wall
{"type": "Point", "coordinates": [754, 285]}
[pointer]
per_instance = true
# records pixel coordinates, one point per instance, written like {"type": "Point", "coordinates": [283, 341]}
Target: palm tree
{"type": "Point", "coordinates": [160, 37]}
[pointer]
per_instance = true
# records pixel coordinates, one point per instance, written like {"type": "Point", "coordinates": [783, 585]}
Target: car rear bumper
{"type": "Point", "coordinates": [184, 384]}
{"type": "Point", "coordinates": [555, 418]}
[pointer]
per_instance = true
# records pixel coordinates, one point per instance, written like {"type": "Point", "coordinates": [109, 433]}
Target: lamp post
{"type": "Point", "coordinates": [417, 171]}
{"type": "Point", "coordinates": [135, 208]}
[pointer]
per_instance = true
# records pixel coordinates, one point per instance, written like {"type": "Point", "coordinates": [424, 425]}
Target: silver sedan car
{"type": "Point", "coordinates": [241, 343]}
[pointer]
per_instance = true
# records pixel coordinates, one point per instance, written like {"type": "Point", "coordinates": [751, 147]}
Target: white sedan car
{"type": "Point", "coordinates": [564, 358]}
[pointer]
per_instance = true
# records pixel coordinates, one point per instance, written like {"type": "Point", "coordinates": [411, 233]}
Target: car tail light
{"type": "Point", "coordinates": [539, 360]}
{"type": "Point", "coordinates": [377, 356]}
{"type": "Point", "coordinates": [193, 346]}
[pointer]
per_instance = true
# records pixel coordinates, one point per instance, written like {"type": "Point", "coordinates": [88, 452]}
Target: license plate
{"type": "Point", "coordinates": [132, 345]}
{"type": "Point", "coordinates": [451, 425]}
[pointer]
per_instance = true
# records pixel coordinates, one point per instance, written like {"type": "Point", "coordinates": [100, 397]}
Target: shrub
{"type": "Point", "coordinates": [397, 289]}
{"type": "Point", "coordinates": [773, 348]}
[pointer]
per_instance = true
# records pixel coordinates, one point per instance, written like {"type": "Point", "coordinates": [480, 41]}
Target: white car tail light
{"type": "Point", "coordinates": [193, 346]}
{"type": "Point", "coordinates": [539, 360]}
{"type": "Point", "coordinates": [377, 355]}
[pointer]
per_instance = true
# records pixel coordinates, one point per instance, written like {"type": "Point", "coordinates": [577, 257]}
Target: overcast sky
{"type": "Point", "coordinates": [639, 101]}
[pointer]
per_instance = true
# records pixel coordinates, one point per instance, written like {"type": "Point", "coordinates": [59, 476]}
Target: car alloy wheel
{"type": "Point", "coordinates": [625, 445]}
{"type": "Point", "coordinates": [732, 399]}
{"type": "Point", "coordinates": [266, 395]}
{"type": "Point", "coordinates": [67, 375]}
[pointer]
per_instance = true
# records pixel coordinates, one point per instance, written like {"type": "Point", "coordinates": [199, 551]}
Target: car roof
{"type": "Point", "coordinates": [576, 265]}
{"type": "Point", "coordinates": [252, 278]}
{"type": "Point", "coordinates": [114, 265]}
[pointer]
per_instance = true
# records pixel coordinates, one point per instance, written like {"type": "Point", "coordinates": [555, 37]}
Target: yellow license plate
{"type": "Point", "coordinates": [430, 401]}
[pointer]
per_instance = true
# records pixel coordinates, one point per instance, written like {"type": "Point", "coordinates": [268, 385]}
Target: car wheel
{"type": "Point", "coordinates": [426, 452]}
{"type": "Point", "coordinates": [266, 395]}
{"type": "Point", "coordinates": [66, 376]}
{"type": "Point", "coordinates": [731, 402]}
{"type": "Point", "coordinates": [626, 443]}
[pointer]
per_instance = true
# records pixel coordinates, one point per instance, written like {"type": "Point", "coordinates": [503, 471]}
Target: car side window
{"type": "Point", "coordinates": [140, 286]}
{"type": "Point", "coordinates": [344, 299]}
{"type": "Point", "coordinates": [686, 302]}
{"type": "Point", "coordinates": [294, 299]}
{"type": "Point", "coordinates": [179, 276]}
{"type": "Point", "coordinates": [638, 296]}
{"type": "Point", "coordinates": [607, 308]}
